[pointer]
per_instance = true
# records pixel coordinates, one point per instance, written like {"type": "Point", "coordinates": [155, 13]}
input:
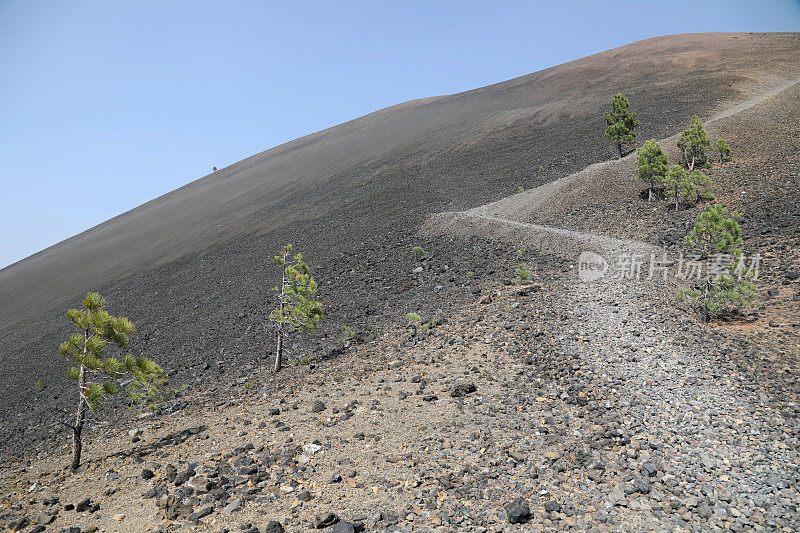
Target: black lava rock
{"type": "Point", "coordinates": [518, 511]}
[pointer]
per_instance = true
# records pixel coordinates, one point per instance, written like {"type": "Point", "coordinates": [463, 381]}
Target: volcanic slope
{"type": "Point", "coordinates": [559, 404]}
{"type": "Point", "coordinates": [192, 267]}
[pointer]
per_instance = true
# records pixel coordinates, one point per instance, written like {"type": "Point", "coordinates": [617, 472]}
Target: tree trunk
{"type": "Point", "coordinates": [80, 416]}
{"type": "Point", "coordinates": [619, 149]}
{"type": "Point", "coordinates": [706, 316]}
{"type": "Point", "coordinates": [278, 351]}
{"type": "Point", "coordinates": [676, 200]}
{"type": "Point", "coordinates": [279, 348]}
{"type": "Point", "coordinates": [650, 191]}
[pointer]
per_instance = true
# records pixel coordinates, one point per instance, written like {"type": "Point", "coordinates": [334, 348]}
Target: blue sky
{"type": "Point", "coordinates": [106, 105]}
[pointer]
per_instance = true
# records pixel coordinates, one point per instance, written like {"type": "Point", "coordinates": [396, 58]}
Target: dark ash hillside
{"type": "Point", "coordinates": [192, 268]}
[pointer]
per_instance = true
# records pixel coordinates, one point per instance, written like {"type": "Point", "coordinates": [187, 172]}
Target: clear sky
{"type": "Point", "coordinates": [105, 105]}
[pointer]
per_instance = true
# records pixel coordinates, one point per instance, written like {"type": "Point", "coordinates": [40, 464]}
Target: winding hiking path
{"type": "Point", "coordinates": [711, 446]}
{"type": "Point", "coordinates": [507, 218]}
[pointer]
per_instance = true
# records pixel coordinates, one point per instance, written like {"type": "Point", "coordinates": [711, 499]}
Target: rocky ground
{"type": "Point", "coordinates": [505, 417]}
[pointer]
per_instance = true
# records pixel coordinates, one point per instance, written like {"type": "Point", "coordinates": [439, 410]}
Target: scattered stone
{"type": "Point", "coordinates": [198, 483]}
{"type": "Point", "coordinates": [641, 485]}
{"type": "Point", "coordinates": [343, 527]}
{"type": "Point", "coordinates": [235, 505]}
{"type": "Point", "coordinates": [182, 478]}
{"type": "Point", "coordinates": [45, 518]}
{"type": "Point", "coordinates": [649, 469]}
{"type": "Point", "coordinates": [273, 527]}
{"type": "Point", "coordinates": [518, 511]}
{"type": "Point", "coordinates": [462, 389]}
{"type": "Point", "coordinates": [321, 521]}
{"type": "Point", "coordinates": [83, 505]}
{"type": "Point", "coordinates": [552, 506]}
{"type": "Point", "coordinates": [202, 513]}
{"type": "Point", "coordinates": [20, 524]}
{"type": "Point", "coordinates": [311, 448]}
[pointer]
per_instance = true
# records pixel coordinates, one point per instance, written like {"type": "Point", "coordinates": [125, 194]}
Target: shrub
{"type": "Point", "coordinates": [724, 151]}
{"type": "Point", "coordinates": [302, 360]}
{"type": "Point", "coordinates": [419, 252]}
{"type": "Point", "coordinates": [524, 273]}
{"type": "Point", "coordinates": [413, 318]}
{"type": "Point", "coordinates": [249, 384]}
{"type": "Point", "coordinates": [347, 336]}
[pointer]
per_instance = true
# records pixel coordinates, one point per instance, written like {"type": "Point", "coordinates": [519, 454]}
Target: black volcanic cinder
{"type": "Point", "coordinates": [353, 197]}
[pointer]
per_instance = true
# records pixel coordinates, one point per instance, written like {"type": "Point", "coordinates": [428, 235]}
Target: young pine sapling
{"type": "Point", "coordinates": [686, 188]}
{"type": "Point", "coordinates": [693, 144]}
{"type": "Point", "coordinates": [724, 150]}
{"type": "Point", "coordinates": [718, 232]}
{"type": "Point", "coordinates": [621, 123]}
{"type": "Point", "coordinates": [297, 310]}
{"type": "Point", "coordinates": [651, 166]}
{"type": "Point", "coordinates": [86, 349]}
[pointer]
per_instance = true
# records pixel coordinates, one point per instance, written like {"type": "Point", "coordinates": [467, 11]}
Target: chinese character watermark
{"type": "Point", "coordinates": [638, 267]}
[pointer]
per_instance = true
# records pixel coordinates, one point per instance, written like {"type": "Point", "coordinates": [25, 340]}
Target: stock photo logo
{"type": "Point", "coordinates": [693, 268]}
{"type": "Point", "coordinates": [591, 267]}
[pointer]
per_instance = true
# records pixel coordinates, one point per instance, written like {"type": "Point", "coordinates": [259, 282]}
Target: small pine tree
{"type": "Point", "coordinates": [686, 187]}
{"type": "Point", "coordinates": [414, 322]}
{"type": "Point", "coordinates": [672, 180]}
{"type": "Point", "coordinates": [524, 273]}
{"type": "Point", "coordinates": [729, 295]}
{"type": "Point", "coordinates": [419, 252]}
{"type": "Point", "coordinates": [297, 309]}
{"type": "Point", "coordinates": [693, 144]}
{"type": "Point", "coordinates": [86, 350]}
{"type": "Point", "coordinates": [347, 336]}
{"type": "Point", "coordinates": [621, 123]}
{"type": "Point", "coordinates": [724, 150]}
{"type": "Point", "coordinates": [718, 230]}
{"type": "Point", "coordinates": [651, 165]}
